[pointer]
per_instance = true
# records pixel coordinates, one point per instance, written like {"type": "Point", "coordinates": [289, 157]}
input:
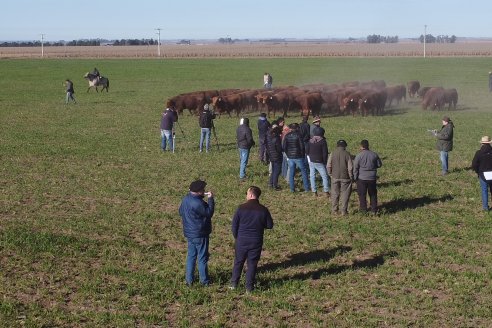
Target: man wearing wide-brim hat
{"type": "Point", "coordinates": [482, 165]}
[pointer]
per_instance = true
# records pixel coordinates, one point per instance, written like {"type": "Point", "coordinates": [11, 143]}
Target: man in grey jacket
{"type": "Point", "coordinates": [340, 169]}
{"type": "Point", "coordinates": [366, 164]}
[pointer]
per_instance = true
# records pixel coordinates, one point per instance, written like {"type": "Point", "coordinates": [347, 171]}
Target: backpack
{"type": "Point", "coordinates": [203, 121]}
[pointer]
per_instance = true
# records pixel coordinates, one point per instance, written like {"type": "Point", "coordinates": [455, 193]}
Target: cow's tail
{"type": "Point", "coordinates": [107, 85]}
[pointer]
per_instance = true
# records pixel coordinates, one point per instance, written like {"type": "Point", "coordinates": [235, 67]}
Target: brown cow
{"type": "Point", "coordinates": [422, 91]}
{"type": "Point", "coordinates": [373, 101]}
{"type": "Point", "coordinates": [226, 104]}
{"type": "Point", "coordinates": [310, 103]}
{"type": "Point", "coordinates": [192, 102]}
{"type": "Point", "coordinates": [413, 86]}
{"type": "Point", "coordinates": [397, 92]}
{"type": "Point", "coordinates": [451, 97]}
{"type": "Point", "coordinates": [434, 98]}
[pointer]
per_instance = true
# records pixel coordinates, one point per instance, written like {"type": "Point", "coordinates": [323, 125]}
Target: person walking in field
{"type": "Point", "coordinates": [482, 165]}
{"type": "Point", "coordinates": [169, 117]}
{"type": "Point", "coordinates": [445, 142]}
{"type": "Point", "coordinates": [196, 217]}
{"type": "Point", "coordinates": [248, 225]}
{"type": "Point", "coordinates": [205, 120]}
{"type": "Point", "coordinates": [340, 168]}
{"type": "Point", "coordinates": [70, 91]}
{"type": "Point", "coordinates": [366, 164]}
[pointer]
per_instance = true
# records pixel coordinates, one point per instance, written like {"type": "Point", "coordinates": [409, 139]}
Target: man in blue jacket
{"type": "Point", "coordinates": [196, 215]}
{"type": "Point", "coordinates": [248, 225]}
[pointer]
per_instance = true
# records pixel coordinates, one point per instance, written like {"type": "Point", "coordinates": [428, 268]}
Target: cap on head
{"type": "Point", "coordinates": [446, 119]}
{"type": "Point", "coordinates": [365, 144]}
{"type": "Point", "coordinates": [263, 115]}
{"type": "Point", "coordinates": [316, 119]}
{"type": "Point", "coordinates": [244, 121]}
{"type": "Point", "coordinates": [197, 186]}
{"type": "Point", "coordinates": [341, 143]}
{"type": "Point", "coordinates": [485, 140]}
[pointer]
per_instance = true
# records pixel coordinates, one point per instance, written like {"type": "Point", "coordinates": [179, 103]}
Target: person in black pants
{"type": "Point", "coordinates": [248, 225]}
{"type": "Point", "coordinates": [366, 164]}
{"type": "Point", "coordinates": [274, 151]}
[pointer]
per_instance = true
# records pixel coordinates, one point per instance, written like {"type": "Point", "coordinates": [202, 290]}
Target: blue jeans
{"type": "Point", "coordinates": [444, 161]}
{"type": "Point", "coordinates": [485, 186]}
{"type": "Point", "coordinates": [321, 168]}
{"type": "Point", "coordinates": [197, 248]}
{"type": "Point", "coordinates": [69, 97]}
{"type": "Point", "coordinates": [243, 161]}
{"type": "Point", "coordinates": [293, 163]}
{"type": "Point", "coordinates": [276, 167]}
{"type": "Point", "coordinates": [205, 135]}
{"type": "Point", "coordinates": [167, 138]}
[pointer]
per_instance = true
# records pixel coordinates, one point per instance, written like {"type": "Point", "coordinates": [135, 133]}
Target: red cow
{"type": "Point", "coordinates": [433, 98]}
{"type": "Point", "coordinates": [413, 86]}
{"type": "Point", "coordinates": [451, 97]}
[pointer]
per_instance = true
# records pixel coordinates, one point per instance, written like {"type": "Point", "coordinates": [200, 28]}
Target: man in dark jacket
{"type": "Point", "coordinates": [366, 165]}
{"type": "Point", "coordinates": [244, 137]}
{"type": "Point", "coordinates": [340, 168]}
{"type": "Point", "coordinates": [196, 216]}
{"type": "Point", "coordinates": [294, 150]}
{"type": "Point", "coordinates": [169, 117]}
{"type": "Point", "coordinates": [482, 165]}
{"type": "Point", "coordinates": [274, 150]}
{"type": "Point", "coordinates": [70, 91]}
{"type": "Point", "coordinates": [263, 127]}
{"type": "Point", "coordinates": [317, 153]}
{"type": "Point", "coordinates": [205, 120]}
{"type": "Point", "coordinates": [445, 142]}
{"type": "Point", "coordinates": [248, 225]}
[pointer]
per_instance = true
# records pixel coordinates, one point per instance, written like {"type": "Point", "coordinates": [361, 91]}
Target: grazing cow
{"type": "Point", "coordinates": [310, 103]}
{"type": "Point", "coordinates": [422, 91]}
{"type": "Point", "coordinates": [434, 98]}
{"type": "Point", "coordinates": [451, 97]}
{"type": "Point", "coordinates": [97, 81]}
{"type": "Point", "coordinates": [413, 87]}
{"type": "Point", "coordinates": [226, 104]}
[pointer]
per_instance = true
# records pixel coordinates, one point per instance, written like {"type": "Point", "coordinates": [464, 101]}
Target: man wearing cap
{"type": "Point", "coordinates": [263, 127]}
{"type": "Point", "coordinates": [244, 137]}
{"type": "Point", "coordinates": [340, 168]}
{"type": "Point", "coordinates": [196, 216]}
{"type": "Point", "coordinates": [445, 142]}
{"type": "Point", "coordinates": [366, 164]}
{"type": "Point", "coordinates": [317, 154]}
{"type": "Point", "coordinates": [316, 123]}
{"type": "Point", "coordinates": [482, 165]}
{"type": "Point", "coordinates": [294, 150]}
{"type": "Point", "coordinates": [206, 123]}
{"type": "Point", "coordinates": [248, 225]}
{"type": "Point", "coordinates": [169, 117]}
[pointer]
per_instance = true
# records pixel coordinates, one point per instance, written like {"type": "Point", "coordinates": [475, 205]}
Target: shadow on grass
{"type": "Point", "coordinates": [395, 183]}
{"type": "Point", "coordinates": [368, 263]}
{"type": "Point", "coordinates": [411, 203]}
{"type": "Point", "coordinates": [460, 169]}
{"type": "Point", "coordinates": [304, 258]}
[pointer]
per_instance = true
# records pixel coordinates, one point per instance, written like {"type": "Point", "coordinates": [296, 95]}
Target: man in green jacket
{"type": "Point", "coordinates": [340, 169]}
{"type": "Point", "coordinates": [445, 142]}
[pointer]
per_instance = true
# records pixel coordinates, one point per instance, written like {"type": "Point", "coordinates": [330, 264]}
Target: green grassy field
{"type": "Point", "coordinates": [90, 233]}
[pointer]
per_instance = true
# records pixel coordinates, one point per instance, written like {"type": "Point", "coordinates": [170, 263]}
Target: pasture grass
{"type": "Point", "coordinates": [90, 233]}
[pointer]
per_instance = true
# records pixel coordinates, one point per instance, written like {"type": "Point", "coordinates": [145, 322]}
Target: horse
{"type": "Point", "coordinates": [95, 82]}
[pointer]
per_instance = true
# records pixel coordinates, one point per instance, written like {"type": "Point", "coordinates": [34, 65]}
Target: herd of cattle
{"type": "Point", "coordinates": [354, 97]}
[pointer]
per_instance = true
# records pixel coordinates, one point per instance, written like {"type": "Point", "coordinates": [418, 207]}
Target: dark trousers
{"type": "Point", "coordinates": [251, 254]}
{"type": "Point", "coordinates": [262, 150]}
{"type": "Point", "coordinates": [365, 187]}
{"type": "Point", "coordinates": [276, 168]}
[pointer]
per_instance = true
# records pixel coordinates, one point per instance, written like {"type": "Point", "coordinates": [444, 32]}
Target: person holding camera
{"type": "Point", "coordinates": [205, 120]}
{"type": "Point", "coordinates": [482, 165]}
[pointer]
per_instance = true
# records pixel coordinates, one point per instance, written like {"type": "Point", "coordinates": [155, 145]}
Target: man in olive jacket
{"type": "Point", "coordinates": [445, 142]}
{"type": "Point", "coordinates": [340, 168]}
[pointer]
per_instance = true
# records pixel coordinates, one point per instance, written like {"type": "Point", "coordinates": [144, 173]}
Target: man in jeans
{"type": "Point", "coordinates": [366, 164]}
{"type": "Point", "coordinates": [167, 126]}
{"type": "Point", "coordinates": [206, 123]}
{"type": "Point", "coordinates": [244, 137]}
{"type": "Point", "coordinates": [317, 153]}
{"type": "Point", "coordinates": [445, 143]}
{"type": "Point", "coordinates": [340, 168]}
{"type": "Point", "coordinates": [294, 150]}
{"type": "Point", "coordinates": [196, 215]}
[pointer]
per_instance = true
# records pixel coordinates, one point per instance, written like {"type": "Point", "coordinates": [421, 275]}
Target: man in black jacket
{"type": "Point", "coordinates": [482, 165]}
{"type": "Point", "coordinates": [294, 150]}
{"type": "Point", "coordinates": [274, 150]}
{"type": "Point", "coordinates": [317, 153]}
{"type": "Point", "coordinates": [248, 225]}
{"type": "Point", "coordinates": [205, 121]}
{"type": "Point", "coordinates": [263, 126]}
{"type": "Point", "coordinates": [244, 137]}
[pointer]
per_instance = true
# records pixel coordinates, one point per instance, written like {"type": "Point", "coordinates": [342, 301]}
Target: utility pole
{"type": "Point", "coordinates": [42, 45]}
{"type": "Point", "coordinates": [158, 41]}
{"type": "Point", "coordinates": [425, 37]}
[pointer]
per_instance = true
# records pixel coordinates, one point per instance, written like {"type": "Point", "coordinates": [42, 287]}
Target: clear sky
{"type": "Point", "coordinates": [241, 19]}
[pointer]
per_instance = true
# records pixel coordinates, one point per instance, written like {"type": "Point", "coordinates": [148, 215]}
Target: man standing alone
{"type": "Point", "coordinates": [248, 225]}
{"type": "Point", "coordinates": [196, 215]}
{"type": "Point", "coordinates": [366, 164]}
{"type": "Point", "coordinates": [70, 91]}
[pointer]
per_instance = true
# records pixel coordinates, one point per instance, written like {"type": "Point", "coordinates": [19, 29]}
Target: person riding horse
{"type": "Point", "coordinates": [95, 72]}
